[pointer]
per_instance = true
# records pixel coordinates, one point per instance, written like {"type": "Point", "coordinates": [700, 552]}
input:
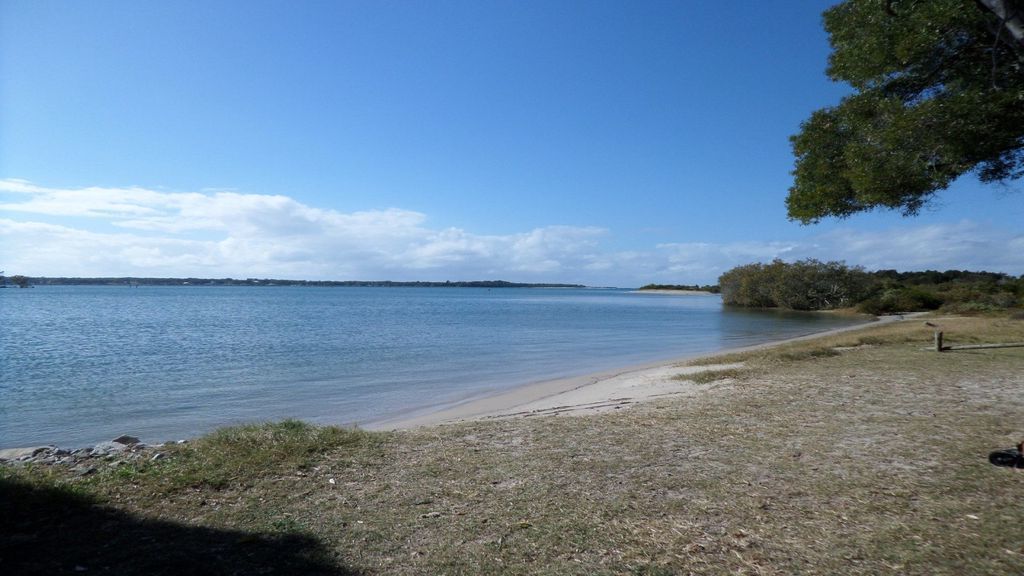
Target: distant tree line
{"type": "Point", "coordinates": [132, 281]}
{"type": "Point", "coordinates": [18, 280]}
{"type": "Point", "coordinates": [814, 285]}
{"type": "Point", "coordinates": [713, 288]}
{"type": "Point", "coordinates": [956, 291]}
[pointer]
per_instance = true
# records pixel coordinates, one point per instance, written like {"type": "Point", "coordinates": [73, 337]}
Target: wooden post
{"type": "Point", "coordinates": [938, 341]}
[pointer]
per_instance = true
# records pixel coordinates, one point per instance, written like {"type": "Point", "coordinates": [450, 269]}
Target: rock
{"type": "Point", "coordinates": [20, 453]}
{"type": "Point", "coordinates": [126, 440]}
{"type": "Point", "coordinates": [104, 448]}
{"type": "Point", "coordinates": [83, 470]}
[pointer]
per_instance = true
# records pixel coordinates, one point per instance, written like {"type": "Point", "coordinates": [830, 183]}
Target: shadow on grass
{"type": "Point", "coordinates": [53, 531]}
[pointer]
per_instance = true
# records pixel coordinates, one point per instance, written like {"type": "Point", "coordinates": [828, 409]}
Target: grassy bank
{"type": "Point", "coordinates": [861, 453]}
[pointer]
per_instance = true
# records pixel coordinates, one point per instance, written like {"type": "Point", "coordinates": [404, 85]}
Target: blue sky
{"type": "Point", "coordinates": [606, 143]}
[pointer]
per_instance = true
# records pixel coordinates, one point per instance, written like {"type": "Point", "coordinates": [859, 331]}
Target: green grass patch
{"type": "Point", "coordinates": [790, 353]}
{"type": "Point", "coordinates": [730, 358]}
{"type": "Point", "coordinates": [233, 454]}
{"type": "Point", "coordinates": [807, 354]}
{"type": "Point", "coordinates": [238, 455]}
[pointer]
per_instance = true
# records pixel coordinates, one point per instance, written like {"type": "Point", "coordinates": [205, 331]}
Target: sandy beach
{"type": "Point", "coordinates": [591, 393]}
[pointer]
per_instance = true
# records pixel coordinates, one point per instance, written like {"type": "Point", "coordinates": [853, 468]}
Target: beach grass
{"type": "Point", "coordinates": [869, 458]}
{"type": "Point", "coordinates": [713, 375]}
{"type": "Point", "coordinates": [242, 455]}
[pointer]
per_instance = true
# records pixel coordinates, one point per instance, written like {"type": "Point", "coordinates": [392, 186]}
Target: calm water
{"type": "Point", "coordinates": [80, 364]}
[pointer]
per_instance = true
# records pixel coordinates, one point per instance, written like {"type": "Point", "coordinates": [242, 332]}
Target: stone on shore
{"type": "Point", "coordinates": [104, 448]}
{"type": "Point", "coordinates": [117, 451]}
{"type": "Point", "coordinates": [126, 440]}
{"type": "Point", "coordinates": [18, 453]}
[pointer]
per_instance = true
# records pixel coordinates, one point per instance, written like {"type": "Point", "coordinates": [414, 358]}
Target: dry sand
{"type": "Point", "coordinates": [598, 392]}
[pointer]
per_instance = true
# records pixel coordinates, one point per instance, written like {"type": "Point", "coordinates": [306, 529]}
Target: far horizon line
{"type": "Point", "coordinates": [254, 281]}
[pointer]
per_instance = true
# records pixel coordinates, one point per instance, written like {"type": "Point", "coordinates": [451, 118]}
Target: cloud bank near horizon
{"type": "Point", "coordinates": [98, 231]}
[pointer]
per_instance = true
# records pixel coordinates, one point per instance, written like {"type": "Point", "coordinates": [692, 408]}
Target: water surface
{"type": "Point", "coordinates": [82, 364]}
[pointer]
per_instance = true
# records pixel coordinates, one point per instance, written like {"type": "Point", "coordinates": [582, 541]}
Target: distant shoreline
{"type": "Point", "coordinates": [673, 292]}
{"type": "Point", "coordinates": [130, 281]}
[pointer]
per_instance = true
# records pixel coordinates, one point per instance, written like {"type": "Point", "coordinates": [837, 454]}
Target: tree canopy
{"type": "Point", "coordinates": [938, 93]}
{"type": "Point", "coordinates": [804, 285]}
{"type": "Point", "coordinates": [19, 281]}
{"type": "Point", "coordinates": [814, 285]}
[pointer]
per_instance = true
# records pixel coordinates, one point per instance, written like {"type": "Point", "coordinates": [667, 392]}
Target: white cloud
{"type": "Point", "coordinates": [139, 232]}
{"type": "Point", "coordinates": [91, 202]}
{"type": "Point", "coordinates": [169, 234]}
{"type": "Point", "coordinates": [962, 245]}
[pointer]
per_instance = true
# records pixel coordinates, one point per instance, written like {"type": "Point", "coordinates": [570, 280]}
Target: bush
{"type": "Point", "coordinates": [970, 308]}
{"type": "Point", "coordinates": [814, 285]}
{"type": "Point", "coordinates": [803, 285]}
{"type": "Point", "coordinates": [896, 300]}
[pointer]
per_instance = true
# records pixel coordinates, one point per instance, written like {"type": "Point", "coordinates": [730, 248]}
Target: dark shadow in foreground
{"type": "Point", "coordinates": [53, 531]}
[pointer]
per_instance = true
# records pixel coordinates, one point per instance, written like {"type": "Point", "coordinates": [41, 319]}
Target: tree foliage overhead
{"type": "Point", "coordinates": [939, 92]}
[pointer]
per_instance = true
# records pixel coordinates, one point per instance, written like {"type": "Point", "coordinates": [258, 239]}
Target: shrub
{"type": "Point", "coordinates": [803, 285]}
{"type": "Point", "coordinates": [896, 300]}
